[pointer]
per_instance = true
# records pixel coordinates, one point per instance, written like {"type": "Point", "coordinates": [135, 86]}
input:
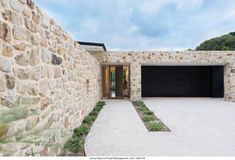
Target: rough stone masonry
{"type": "Point", "coordinates": [138, 58]}
{"type": "Point", "coordinates": [48, 83]}
{"type": "Point", "coordinates": [44, 93]}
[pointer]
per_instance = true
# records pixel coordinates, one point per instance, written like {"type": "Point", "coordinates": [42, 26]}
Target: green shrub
{"type": "Point", "coordinates": [98, 108]}
{"type": "Point", "coordinates": [73, 144]}
{"type": "Point", "coordinates": [82, 130]}
{"type": "Point", "coordinates": [76, 143]}
{"type": "Point", "coordinates": [145, 109]}
{"type": "Point", "coordinates": [155, 126]}
{"type": "Point", "coordinates": [93, 113]}
{"type": "Point", "coordinates": [101, 103]}
{"type": "Point", "coordinates": [88, 120]}
{"type": "Point", "coordinates": [148, 112]}
{"type": "Point", "coordinates": [148, 118]}
{"type": "Point", "coordinates": [141, 108]}
{"type": "Point", "coordinates": [138, 103]}
{"type": "Point", "coordinates": [135, 103]}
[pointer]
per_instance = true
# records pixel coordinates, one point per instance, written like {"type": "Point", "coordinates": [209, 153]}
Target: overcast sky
{"type": "Point", "coordinates": [143, 24]}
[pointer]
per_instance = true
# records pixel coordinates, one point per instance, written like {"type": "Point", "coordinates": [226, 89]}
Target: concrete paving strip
{"type": "Point", "coordinates": [200, 127]}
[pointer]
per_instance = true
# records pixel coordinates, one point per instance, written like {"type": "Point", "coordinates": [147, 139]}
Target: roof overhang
{"type": "Point", "coordinates": [92, 46]}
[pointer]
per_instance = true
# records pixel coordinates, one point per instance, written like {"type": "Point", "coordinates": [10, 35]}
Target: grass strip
{"type": "Point", "coordinates": [150, 120]}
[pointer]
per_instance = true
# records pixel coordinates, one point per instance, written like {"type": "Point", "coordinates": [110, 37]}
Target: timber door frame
{"type": "Point", "coordinates": [106, 88]}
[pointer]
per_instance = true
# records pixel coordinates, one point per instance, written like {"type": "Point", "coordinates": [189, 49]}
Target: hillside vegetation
{"type": "Point", "coordinates": [222, 43]}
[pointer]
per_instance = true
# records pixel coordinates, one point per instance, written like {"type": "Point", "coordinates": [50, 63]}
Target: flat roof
{"type": "Point", "coordinates": [93, 46]}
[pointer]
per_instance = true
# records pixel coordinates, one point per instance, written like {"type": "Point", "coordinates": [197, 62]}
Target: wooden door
{"type": "Point", "coordinates": [119, 81]}
{"type": "Point", "coordinates": [106, 81]}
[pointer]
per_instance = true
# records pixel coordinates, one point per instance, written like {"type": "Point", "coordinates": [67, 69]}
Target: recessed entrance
{"type": "Point", "coordinates": [116, 82]}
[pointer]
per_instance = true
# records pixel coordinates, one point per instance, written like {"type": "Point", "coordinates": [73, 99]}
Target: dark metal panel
{"type": "Point", "coordinates": [182, 81]}
{"type": "Point", "coordinates": [217, 83]}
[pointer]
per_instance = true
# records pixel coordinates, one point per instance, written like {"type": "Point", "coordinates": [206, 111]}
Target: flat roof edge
{"type": "Point", "coordinates": [93, 44]}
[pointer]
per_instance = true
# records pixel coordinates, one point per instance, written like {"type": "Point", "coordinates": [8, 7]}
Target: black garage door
{"type": "Point", "coordinates": [182, 81]}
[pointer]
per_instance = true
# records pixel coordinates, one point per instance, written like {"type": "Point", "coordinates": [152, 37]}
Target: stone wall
{"type": "Point", "coordinates": [48, 83]}
{"type": "Point", "coordinates": [136, 59]}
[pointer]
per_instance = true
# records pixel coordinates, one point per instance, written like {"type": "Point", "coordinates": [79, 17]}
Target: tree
{"type": "Point", "coordinates": [222, 43]}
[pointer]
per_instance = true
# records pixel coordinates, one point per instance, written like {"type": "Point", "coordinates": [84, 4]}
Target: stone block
{"type": "Point", "coordinates": [57, 72]}
{"type": "Point", "coordinates": [21, 87]}
{"type": "Point", "coordinates": [28, 101]}
{"type": "Point", "coordinates": [36, 17]}
{"type": "Point", "coordinates": [21, 125]}
{"type": "Point", "coordinates": [30, 25]}
{"type": "Point", "coordinates": [52, 84]}
{"type": "Point", "coordinates": [45, 103]}
{"type": "Point", "coordinates": [3, 131]}
{"type": "Point", "coordinates": [33, 89]}
{"type": "Point", "coordinates": [43, 88]}
{"type": "Point", "coordinates": [48, 35]}
{"type": "Point", "coordinates": [50, 71]}
{"type": "Point", "coordinates": [56, 60]}
{"type": "Point", "coordinates": [2, 84]}
{"type": "Point", "coordinates": [51, 120]}
{"type": "Point", "coordinates": [5, 64]}
{"type": "Point", "coordinates": [10, 82]}
{"type": "Point", "coordinates": [44, 71]}
{"type": "Point", "coordinates": [4, 3]}
{"type": "Point", "coordinates": [35, 39]}
{"type": "Point", "coordinates": [59, 83]}
{"type": "Point", "coordinates": [34, 57]}
{"type": "Point", "coordinates": [20, 46]}
{"type": "Point", "coordinates": [12, 17]}
{"type": "Point", "coordinates": [7, 50]}
{"type": "Point", "coordinates": [27, 12]}
{"type": "Point", "coordinates": [5, 32]}
{"type": "Point", "coordinates": [32, 122]}
{"type": "Point", "coordinates": [21, 60]}
{"type": "Point", "coordinates": [15, 5]}
{"type": "Point", "coordinates": [36, 73]}
{"type": "Point", "coordinates": [46, 57]}
{"type": "Point", "coordinates": [31, 4]}
{"type": "Point", "coordinates": [11, 130]}
{"type": "Point", "coordinates": [59, 40]}
{"type": "Point", "coordinates": [9, 99]}
{"type": "Point", "coordinates": [44, 42]}
{"type": "Point", "coordinates": [53, 50]}
{"type": "Point", "coordinates": [19, 33]}
{"type": "Point", "coordinates": [45, 21]}
{"type": "Point", "coordinates": [22, 74]}
{"type": "Point", "coordinates": [7, 15]}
